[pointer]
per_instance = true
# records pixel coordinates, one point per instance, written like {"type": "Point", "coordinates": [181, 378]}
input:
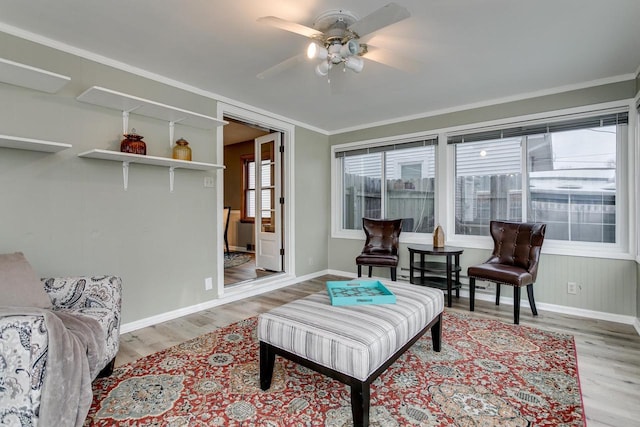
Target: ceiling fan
{"type": "Point", "coordinates": [335, 39]}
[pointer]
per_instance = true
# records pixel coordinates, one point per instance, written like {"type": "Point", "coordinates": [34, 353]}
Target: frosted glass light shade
{"type": "Point", "coordinates": [316, 51]}
{"type": "Point", "coordinates": [322, 69]}
{"type": "Point", "coordinates": [354, 63]}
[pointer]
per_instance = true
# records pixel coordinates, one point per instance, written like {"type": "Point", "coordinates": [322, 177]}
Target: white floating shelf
{"type": "Point", "coordinates": [29, 144]}
{"type": "Point", "coordinates": [127, 158]}
{"type": "Point", "coordinates": [117, 156]}
{"type": "Point", "coordinates": [30, 77]}
{"type": "Point", "coordinates": [132, 104]}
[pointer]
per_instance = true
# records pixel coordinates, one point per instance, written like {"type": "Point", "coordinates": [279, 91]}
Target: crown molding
{"type": "Point", "coordinates": [104, 60]}
{"type": "Point", "coordinates": [491, 102]}
{"type": "Point", "coordinates": [46, 41]}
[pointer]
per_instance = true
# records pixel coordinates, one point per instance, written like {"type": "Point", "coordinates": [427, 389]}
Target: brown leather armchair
{"type": "Point", "coordinates": [514, 262]}
{"type": "Point", "coordinates": [381, 247]}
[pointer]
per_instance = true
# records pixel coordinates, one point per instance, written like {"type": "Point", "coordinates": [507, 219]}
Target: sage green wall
{"type": "Point", "coordinates": [609, 286]}
{"type": "Point", "coordinates": [312, 201]}
{"type": "Point", "coordinates": [71, 215]}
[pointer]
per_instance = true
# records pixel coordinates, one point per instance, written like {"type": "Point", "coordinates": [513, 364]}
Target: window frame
{"type": "Point", "coordinates": [621, 249]}
{"type": "Point", "coordinates": [337, 230]}
{"type": "Point", "coordinates": [628, 235]}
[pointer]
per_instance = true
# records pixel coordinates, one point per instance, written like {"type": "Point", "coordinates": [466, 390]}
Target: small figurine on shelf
{"type": "Point", "coordinates": [133, 143]}
{"type": "Point", "coordinates": [182, 151]}
{"type": "Point", "coordinates": [438, 237]}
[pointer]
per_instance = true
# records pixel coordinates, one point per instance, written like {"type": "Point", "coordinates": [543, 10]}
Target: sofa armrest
{"type": "Point", "coordinates": [85, 292]}
{"type": "Point", "coordinates": [24, 344]}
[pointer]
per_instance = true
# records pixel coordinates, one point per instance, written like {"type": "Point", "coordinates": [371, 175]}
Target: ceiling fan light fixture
{"type": "Point", "coordinates": [314, 50]}
{"type": "Point", "coordinates": [322, 69]}
{"type": "Point", "coordinates": [354, 63]}
{"type": "Point", "coordinates": [350, 48]}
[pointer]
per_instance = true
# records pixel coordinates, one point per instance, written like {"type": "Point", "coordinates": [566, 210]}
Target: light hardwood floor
{"type": "Point", "coordinates": [608, 353]}
{"type": "Point", "coordinates": [244, 272]}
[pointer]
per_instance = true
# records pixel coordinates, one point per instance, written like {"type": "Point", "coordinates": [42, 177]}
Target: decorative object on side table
{"type": "Point", "coordinates": [133, 143]}
{"type": "Point", "coordinates": [438, 237]}
{"type": "Point", "coordinates": [182, 151]}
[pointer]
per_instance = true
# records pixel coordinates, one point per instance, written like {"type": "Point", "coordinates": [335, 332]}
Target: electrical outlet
{"type": "Point", "coordinates": [209, 182]}
{"type": "Point", "coordinates": [208, 284]}
{"type": "Point", "coordinates": [572, 288]}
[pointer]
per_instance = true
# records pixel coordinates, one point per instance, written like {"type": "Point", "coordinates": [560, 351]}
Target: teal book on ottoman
{"type": "Point", "coordinates": [359, 292]}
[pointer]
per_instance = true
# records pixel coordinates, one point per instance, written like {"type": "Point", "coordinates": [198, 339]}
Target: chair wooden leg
{"type": "Point", "coordinates": [359, 270]}
{"type": "Point", "coordinates": [497, 293]}
{"type": "Point", "coordinates": [532, 302]}
{"type": "Point", "coordinates": [393, 274]}
{"type": "Point", "coordinates": [516, 305]}
{"type": "Point", "coordinates": [472, 293]}
{"type": "Point", "coordinates": [370, 269]}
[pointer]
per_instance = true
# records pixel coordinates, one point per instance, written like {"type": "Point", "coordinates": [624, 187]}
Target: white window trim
{"type": "Point", "coordinates": [627, 246]}
{"type": "Point", "coordinates": [337, 232]}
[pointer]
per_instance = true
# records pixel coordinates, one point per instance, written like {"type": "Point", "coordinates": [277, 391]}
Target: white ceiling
{"type": "Point", "coordinates": [470, 51]}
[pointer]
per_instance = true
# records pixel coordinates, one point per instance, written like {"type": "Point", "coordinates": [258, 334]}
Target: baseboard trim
{"type": "Point", "coordinates": [581, 312]}
{"type": "Point", "coordinates": [234, 294]}
{"type": "Point", "coordinates": [277, 282]}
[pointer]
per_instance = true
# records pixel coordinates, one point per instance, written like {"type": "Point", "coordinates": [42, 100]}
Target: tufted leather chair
{"type": "Point", "coordinates": [381, 247]}
{"type": "Point", "coordinates": [514, 262]}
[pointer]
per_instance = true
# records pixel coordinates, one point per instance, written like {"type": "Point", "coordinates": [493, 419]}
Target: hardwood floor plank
{"type": "Point", "coordinates": [608, 353]}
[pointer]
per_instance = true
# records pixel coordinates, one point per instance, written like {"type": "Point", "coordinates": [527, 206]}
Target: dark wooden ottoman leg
{"type": "Point", "coordinates": [436, 334]}
{"type": "Point", "coordinates": [267, 360]}
{"type": "Point", "coordinates": [360, 400]}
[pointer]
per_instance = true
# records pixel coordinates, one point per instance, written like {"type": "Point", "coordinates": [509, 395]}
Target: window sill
{"type": "Point", "coordinates": [553, 247]}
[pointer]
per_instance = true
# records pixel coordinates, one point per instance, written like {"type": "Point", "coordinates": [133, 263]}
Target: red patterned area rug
{"type": "Point", "coordinates": [488, 374]}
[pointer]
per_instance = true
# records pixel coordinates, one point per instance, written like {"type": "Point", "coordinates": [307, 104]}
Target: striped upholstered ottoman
{"type": "Point", "coordinates": [352, 344]}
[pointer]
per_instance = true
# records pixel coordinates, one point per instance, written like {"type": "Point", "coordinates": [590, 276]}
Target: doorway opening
{"type": "Point", "coordinates": [253, 199]}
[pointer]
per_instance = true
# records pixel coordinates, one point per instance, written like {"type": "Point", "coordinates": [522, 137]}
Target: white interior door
{"type": "Point", "coordinates": [268, 208]}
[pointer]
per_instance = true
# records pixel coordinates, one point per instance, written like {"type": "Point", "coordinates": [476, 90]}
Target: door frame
{"type": "Point", "coordinates": [287, 187]}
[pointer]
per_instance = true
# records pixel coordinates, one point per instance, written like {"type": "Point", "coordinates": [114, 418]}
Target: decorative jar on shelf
{"type": "Point", "coordinates": [133, 143]}
{"type": "Point", "coordinates": [182, 151]}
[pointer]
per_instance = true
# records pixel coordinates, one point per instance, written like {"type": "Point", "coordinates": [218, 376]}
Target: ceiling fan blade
{"type": "Point", "coordinates": [392, 59]}
{"type": "Point", "coordinates": [274, 21]}
{"type": "Point", "coordinates": [386, 15]}
{"type": "Point", "coordinates": [278, 68]}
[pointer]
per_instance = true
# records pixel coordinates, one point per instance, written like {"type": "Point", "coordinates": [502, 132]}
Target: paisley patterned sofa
{"type": "Point", "coordinates": [26, 348]}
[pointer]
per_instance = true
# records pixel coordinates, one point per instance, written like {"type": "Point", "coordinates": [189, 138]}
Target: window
{"type": "Point", "coordinates": [391, 181]}
{"type": "Point", "coordinates": [569, 178]}
{"type": "Point", "coordinates": [248, 209]}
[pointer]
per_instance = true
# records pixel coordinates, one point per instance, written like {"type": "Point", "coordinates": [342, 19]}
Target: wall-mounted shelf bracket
{"type": "Point", "coordinates": [171, 178]}
{"type": "Point", "coordinates": [172, 127]}
{"type": "Point", "coordinates": [125, 175]}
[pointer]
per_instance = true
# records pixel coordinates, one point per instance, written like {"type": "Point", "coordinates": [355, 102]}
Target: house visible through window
{"type": "Point", "coordinates": [569, 180]}
{"type": "Point", "coordinates": [392, 181]}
